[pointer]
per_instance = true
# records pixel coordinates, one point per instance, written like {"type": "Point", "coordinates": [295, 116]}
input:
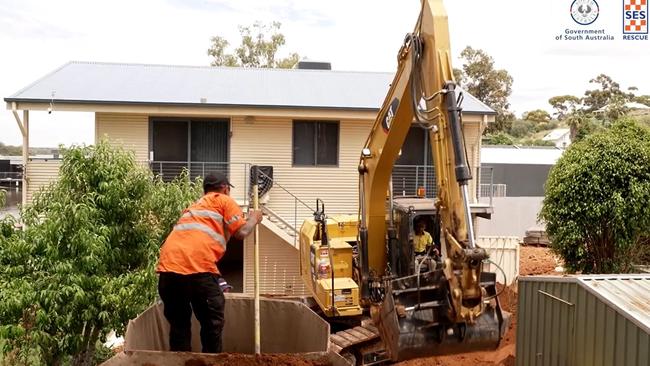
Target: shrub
{"type": "Point", "coordinates": [85, 264]}
{"type": "Point", "coordinates": [596, 203]}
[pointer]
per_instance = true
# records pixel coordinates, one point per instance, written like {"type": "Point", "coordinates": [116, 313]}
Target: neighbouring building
{"type": "Point", "coordinates": [305, 127]}
{"type": "Point", "coordinates": [518, 175]}
{"type": "Point", "coordinates": [561, 137]}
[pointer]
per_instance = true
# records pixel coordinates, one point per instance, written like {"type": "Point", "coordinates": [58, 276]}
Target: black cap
{"type": "Point", "coordinates": [215, 180]}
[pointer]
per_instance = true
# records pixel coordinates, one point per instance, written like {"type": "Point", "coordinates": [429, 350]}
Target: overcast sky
{"type": "Point", "coordinates": [39, 36]}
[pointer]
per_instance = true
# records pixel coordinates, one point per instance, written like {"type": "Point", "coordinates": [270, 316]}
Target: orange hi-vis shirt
{"type": "Point", "coordinates": [199, 238]}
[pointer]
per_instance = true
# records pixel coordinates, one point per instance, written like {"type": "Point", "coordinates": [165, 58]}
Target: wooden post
{"type": "Point", "coordinates": [25, 153]}
{"type": "Point", "coordinates": [24, 130]}
{"type": "Point", "coordinates": [256, 262]}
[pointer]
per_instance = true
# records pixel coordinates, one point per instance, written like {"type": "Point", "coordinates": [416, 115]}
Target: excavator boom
{"type": "Point", "coordinates": [421, 304]}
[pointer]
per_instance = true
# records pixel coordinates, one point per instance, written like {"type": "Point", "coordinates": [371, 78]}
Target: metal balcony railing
{"type": "Point", "coordinates": [11, 176]}
{"type": "Point", "coordinates": [237, 173]}
{"type": "Point", "coordinates": [294, 210]}
{"type": "Point", "coordinates": [407, 179]}
{"type": "Point", "coordinates": [288, 211]}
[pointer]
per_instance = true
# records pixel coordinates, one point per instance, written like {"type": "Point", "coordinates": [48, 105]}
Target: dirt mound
{"type": "Point", "coordinates": [264, 360]}
{"type": "Point", "coordinates": [536, 261]}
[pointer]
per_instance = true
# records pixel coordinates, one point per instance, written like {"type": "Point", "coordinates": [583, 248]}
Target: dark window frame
{"type": "Point", "coordinates": [314, 145]}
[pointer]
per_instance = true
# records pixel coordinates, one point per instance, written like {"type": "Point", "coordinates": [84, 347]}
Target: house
{"type": "Point", "coordinates": [518, 175]}
{"type": "Point", "coordinates": [561, 137]}
{"type": "Point", "coordinates": [305, 127]}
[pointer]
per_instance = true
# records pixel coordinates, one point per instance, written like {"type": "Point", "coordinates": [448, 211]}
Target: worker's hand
{"type": "Point", "coordinates": [255, 215]}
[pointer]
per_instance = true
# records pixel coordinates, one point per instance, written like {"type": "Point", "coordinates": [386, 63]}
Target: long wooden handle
{"type": "Point", "coordinates": [256, 262]}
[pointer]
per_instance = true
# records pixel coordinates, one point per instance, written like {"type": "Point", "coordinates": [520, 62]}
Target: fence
{"type": "Point", "coordinates": [504, 254]}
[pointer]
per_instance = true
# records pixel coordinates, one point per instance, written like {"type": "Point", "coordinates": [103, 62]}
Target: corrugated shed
{"type": "Point", "coordinates": [225, 86]}
{"type": "Point", "coordinates": [626, 294]}
{"type": "Point", "coordinates": [128, 130]}
{"type": "Point", "coordinates": [569, 321]}
{"type": "Point", "coordinates": [40, 173]}
{"type": "Point", "coordinates": [279, 266]}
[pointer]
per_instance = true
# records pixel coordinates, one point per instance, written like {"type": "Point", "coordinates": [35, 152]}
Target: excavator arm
{"type": "Point", "coordinates": [450, 306]}
{"type": "Point", "coordinates": [358, 265]}
{"type": "Point", "coordinates": [423, 92]}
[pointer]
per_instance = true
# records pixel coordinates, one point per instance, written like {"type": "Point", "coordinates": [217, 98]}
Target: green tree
{"type": "Point", "coordinates": [564, 105]}
{"type": "Point", "coordinates": [521, 128]}
{"type": "Point", "coordinates": [500, 138]}
{"type": "Point", "coordinates": [85, 265]}
{"type": "Point", "coordinates": [538, 115]}
{"type": "Point", "coordinates": [609, 92]}
{"type": "Point", "coordinates": [596, 202]}
{"type": "Point", "coordinates": [489, 85]}
{"type": "Point", "coordinates": [259, 46]}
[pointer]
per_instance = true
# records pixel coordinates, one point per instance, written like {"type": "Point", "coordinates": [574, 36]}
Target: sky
{"type": "Point", "coordinates": [362, 35]}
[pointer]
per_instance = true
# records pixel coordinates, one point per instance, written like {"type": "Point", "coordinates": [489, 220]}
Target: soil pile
{"type": "Point", "coordinates": [535, 261]}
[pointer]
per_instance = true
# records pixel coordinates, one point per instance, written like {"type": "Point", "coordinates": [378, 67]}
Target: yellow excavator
{"type": "Point", "coordinates": [362, 269]}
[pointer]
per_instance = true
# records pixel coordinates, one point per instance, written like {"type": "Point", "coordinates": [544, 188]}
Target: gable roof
{"type": "Point", "coordinates": [556, 134]}
{"type": "Point", "coordinates": [113, 83]}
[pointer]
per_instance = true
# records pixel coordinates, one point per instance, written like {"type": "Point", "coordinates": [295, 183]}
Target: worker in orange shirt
{"type": "Point", "coordinates": [189, 278]}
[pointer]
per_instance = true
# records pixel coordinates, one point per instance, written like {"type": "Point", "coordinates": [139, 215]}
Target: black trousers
{"type": "Point", "coordinates": [201, 293]}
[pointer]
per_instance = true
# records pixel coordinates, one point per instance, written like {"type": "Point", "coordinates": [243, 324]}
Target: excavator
{"type": "Point", "coordinates": [387, 303]}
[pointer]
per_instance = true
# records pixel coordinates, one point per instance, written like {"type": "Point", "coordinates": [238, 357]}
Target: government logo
{"type": "Point", "coordinates": [585, 12]}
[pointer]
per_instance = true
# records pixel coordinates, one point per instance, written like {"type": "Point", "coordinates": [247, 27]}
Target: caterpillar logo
{"type": "Point", "coordinates": [635, 19]}
{"type": "Point", "coordinates": [390, 114]}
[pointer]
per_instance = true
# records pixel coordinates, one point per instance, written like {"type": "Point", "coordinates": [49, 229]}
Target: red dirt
{"type": "Point", "coordinates": [267, 360]}
{"type": "Point", "coordinates": [533, 261]}
{"type": "Point", "coordinates": [536, 261]}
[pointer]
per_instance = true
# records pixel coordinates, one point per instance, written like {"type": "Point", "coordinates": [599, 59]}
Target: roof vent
{"type": "Point", "coordinates": [313, 65]}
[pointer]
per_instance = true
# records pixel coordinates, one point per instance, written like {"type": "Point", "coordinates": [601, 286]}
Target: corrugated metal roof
{"type": "Point", "coordinates": [629, 294]}
{"type": "Point", "coordinates": [94, 82]}
{"type": "Point", "coordinates": [520, 155]}
{"type": "Point", "coordinates": [556, 134]}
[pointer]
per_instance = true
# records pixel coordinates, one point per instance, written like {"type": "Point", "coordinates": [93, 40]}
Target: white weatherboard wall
{"type": "Point", "coordinates": [40, 173]}
{"type": "Point", "coordinates": [504, 252]}
{"type": "Point", "coordinates": [128, 130]}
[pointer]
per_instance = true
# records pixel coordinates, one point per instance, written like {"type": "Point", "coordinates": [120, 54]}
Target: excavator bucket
{"type": "Point", "coordinates": [414, 319]}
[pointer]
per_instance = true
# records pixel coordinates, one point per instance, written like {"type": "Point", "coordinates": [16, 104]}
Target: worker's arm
{"type": "Point", "coordinates": [254, 218]}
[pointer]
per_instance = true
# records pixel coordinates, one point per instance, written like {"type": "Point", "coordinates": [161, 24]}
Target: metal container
{"type": "Point", "coordinates": [286, 327]}
{"type": "Point", "coordinates": [584, 320]}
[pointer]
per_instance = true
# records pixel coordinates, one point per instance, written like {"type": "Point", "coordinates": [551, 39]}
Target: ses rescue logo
{"type": "Point", "coordinates": [635, 19]}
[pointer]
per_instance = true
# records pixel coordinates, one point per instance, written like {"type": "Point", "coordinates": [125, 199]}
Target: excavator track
{"type": "Point", "coordinates": [362, 342]}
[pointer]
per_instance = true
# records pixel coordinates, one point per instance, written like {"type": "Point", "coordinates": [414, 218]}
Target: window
{"type": "Point", "coordinates": [315, 143]}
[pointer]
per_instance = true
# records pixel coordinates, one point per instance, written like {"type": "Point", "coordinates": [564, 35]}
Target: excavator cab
{"type": "Point", "coordinates": [414, 316]}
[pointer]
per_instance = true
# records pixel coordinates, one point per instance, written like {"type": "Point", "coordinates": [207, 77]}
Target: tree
{"type": "Point", "coordinates": [564, 105]}
{"type": "Point", "coordinates": [85, 265]}
{"type": "Point", "coordinates": [538, 115]}
{"type": "Point", "coordinates": [490, 86]}
{"type": "Point", "coordinates": [500, 138]}
{"type": "Point", "coordinates": [596, 201]}
{"type": "Point", "coordinates": [258, 48]}
{"type": "Point", "coordinates": [609, 91]}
